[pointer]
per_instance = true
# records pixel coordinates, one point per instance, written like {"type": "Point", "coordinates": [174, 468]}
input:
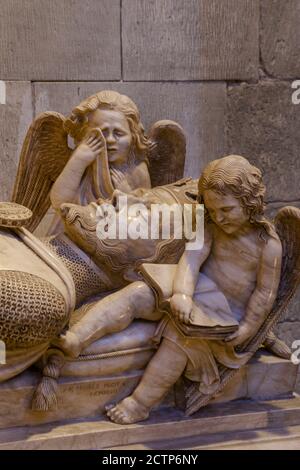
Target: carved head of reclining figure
{"type": "Point", "coordinates": [124, 255]}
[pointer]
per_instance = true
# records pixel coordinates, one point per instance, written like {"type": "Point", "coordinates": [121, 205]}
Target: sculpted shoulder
{"type": "Point", "coordinates": [272, 249]}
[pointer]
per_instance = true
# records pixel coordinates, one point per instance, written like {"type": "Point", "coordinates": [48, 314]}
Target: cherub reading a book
{"type": "Point", "coordinates": [234, 276]}
{"type": "Point", "coordinates": [241, 256]}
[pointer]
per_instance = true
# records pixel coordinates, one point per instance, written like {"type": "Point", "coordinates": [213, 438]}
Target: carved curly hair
{"type": "Point", "coordinates": [77, 123]}
{"type": "Point", "coordinates": [235, 175]}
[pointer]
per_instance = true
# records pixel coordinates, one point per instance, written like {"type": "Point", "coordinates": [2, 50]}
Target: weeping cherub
{"type": "Point", "coordinates": [110, 151]}
{"type": "Point", "coordinates": [106, 125]}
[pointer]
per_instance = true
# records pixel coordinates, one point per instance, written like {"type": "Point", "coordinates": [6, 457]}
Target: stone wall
{"type": "Point", "coordinates": [222, 68]}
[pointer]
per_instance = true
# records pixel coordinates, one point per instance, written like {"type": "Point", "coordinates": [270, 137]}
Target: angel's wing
{"type": "Point", "coordinates": [287, 223]}
{"type": "Point", "coordinates": [44, 154]}
{"type": "Point", "coordinates": [166, 152]}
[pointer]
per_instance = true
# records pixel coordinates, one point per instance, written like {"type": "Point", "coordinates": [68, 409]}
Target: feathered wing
{"type": "Point", "coordinates": [44, 154]}
{"type": "Point", "coordinates": [287, 223]}
{"type": "Point", "coordinates": [166, 152]}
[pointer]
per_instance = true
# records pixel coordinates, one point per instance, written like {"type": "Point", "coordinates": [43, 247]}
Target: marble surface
{"type": "Point", "coordinates": [265, 377]}
{"type": "Point", "coordinates": [197, 40]}
{"type": "Point", "coordinates": [77, 397]}
{"type": "Point", "coordinates": [239, 416]}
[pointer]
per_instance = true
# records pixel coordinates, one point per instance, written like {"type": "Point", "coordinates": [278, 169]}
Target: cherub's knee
{"type": "Point", "coordinates": [140, 287]}
{"type": "Point", "coordinates": [143, 300]}
{"type": "Point", "coordinates": [127, 304]}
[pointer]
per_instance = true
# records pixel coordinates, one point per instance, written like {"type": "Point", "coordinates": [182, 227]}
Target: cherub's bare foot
{"type": "Point", "coordinates": [69, 344]}
{"type": "Point", "coordinates": [128, 411]}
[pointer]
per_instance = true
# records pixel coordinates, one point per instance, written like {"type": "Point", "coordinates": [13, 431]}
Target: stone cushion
{"type": "Point", "coordinates": [130, 349]}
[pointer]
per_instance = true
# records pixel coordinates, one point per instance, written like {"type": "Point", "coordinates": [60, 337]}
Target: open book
{"type": "Point", "coordinates": [211, 317]}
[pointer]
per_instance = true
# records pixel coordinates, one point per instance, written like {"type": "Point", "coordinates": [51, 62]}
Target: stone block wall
{"type": "Point", "coordinates": [222, 68]}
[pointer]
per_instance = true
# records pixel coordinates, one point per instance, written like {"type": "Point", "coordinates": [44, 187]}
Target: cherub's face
{"type": "Point", "coordinates": [225, 211]}
{"type": "Point", "coordinates": [116, 131]}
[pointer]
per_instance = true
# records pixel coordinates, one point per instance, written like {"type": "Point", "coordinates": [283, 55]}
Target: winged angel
{"type": "Point", "coordinates": [51, 281]}
{"type": "Point", "coordinates": [111, 152]}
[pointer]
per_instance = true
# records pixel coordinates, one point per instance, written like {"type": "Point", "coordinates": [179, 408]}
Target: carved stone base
{"type": "Point", "coordinates": [77, 397]}
{"type": "Point", "coordinates": [265, 377]}
{"type": "Point", "coordinates": [166, 429]}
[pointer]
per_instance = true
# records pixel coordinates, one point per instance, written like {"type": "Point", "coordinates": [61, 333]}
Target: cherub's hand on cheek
{"type": "Point", "coordinates": [90, 147]}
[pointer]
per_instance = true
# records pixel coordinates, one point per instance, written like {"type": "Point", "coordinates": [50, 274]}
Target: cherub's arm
{"type": "Point", "coordinates": [67, 185]}
{"type": "Point", "coordinates": [263, 296]}
{"type": "Point", "coordinates": [186, 276]}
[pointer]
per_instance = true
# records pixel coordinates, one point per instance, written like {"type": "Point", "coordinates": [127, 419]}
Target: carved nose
{"type": "Point", "coordinates": [110, 139]}
{"type": "Point", "coordinates": [219, 218]}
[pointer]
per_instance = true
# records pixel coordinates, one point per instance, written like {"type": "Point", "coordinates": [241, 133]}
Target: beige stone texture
{"type": "Point", "coordinates": [265, 377]}
{"type": "Point", "coordinates": [262, 125]}
{"type": "Point", "coordinates": [269, 438]}
{"type": "Point", "coordinates": [198, 107]}
{"type": "Point", "coordinates": [77, 397]}
{"type": "Point", "coordinates": [60, 40]}
{"type": "Point", "coordinates": [280, 37]}
{"type": "Point", "coordinates": [16, 115]}
{"type": "Point", "coordinates": [166, 427]}
{"type": "Point", "coordinates": [190, 40]}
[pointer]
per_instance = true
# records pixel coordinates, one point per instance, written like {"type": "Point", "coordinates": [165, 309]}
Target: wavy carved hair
{"type": "Point", "coordinates": [236, 176]}
{"type": "Point", "coordinates": [77, 123]}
